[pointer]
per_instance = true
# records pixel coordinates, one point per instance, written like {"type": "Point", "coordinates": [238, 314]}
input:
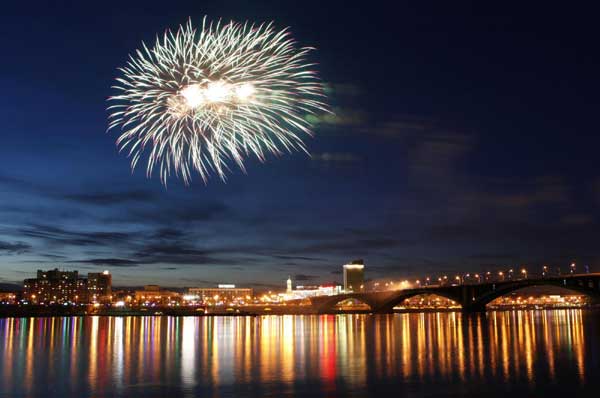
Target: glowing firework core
{"type": "Point", "coordinates": [193, 95]}
{"type": "Point", "coordinates": [199, 98]}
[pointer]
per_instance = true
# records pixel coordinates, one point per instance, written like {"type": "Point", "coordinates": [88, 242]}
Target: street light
{"type": "Point", "coordinates": [524, 272]}
{"type": "Point", "coordinates": [572, 268]}
{"type": "Point", "coordinates": [544, 271]}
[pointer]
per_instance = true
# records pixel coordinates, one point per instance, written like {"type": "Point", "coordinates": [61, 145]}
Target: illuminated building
{"type": "Point", "coordinates": [54, 287]}
{"type": "Point", "coordinates": [154, 295]}
{"type": "Point", "coordinates": [59, 287]}
{"type": "Point", "coordinates": [302, 292]}
{"type": "Point", "coordinates": [223, 293]}
{"type": "Point", "coordinates": [99, 286]}
{"type": "Point", "coordinates": [8, 297]}
{"type": "Point", "coordinates": [82, 292]}
{"type": "Point", "coordinates": [354, 276]}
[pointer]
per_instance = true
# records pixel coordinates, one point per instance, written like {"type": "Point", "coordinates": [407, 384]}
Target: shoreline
{"type": "Point", "coordinates": [46, 312]}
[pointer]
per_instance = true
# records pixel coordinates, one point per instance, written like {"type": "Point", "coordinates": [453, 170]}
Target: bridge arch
{"type": "Point", "coordinates": [430, 300]}
{"type": "Point", "coordinates": [575, 286]}
{"type": "Point", "coordinates": [394, 300]}
{"type": "Point", "coordinates": [358, 304]}
{"type": "Point", "coordinates": [324, 304]}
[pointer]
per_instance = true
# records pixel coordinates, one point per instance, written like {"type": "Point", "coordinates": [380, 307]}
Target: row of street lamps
{"type": "Point", "coordinates": [485, 277]}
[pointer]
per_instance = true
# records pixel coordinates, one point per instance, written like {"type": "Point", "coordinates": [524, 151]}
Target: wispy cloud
{"type": "Point", "coordinates": [305, 277]}
{"type": "Point", "coordinates": [106, 198]}
{"type": "Point", "coordinates": [52, 235]}
{"type": "Point", "coordinates": [14, 248]}
{"type": "Point", "coordinates": [112, 262]}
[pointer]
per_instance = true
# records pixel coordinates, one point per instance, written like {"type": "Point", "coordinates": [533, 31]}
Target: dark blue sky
{"type": "Point", "coordinates": [465, 139]}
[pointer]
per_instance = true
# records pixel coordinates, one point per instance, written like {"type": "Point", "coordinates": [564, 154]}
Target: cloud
{"type": "Point", "coordinates": [16, 182]}
{"type": "Point", "coordinates": [179, 253]}
{"type": "Point", "coordinates": [177, 212]}
{"type": "Point", "coordinates": [342, 89]}
{"type": "Point", "coordinates": [305, 277]}
{"type": "Point", "coordinates": [52, 256]}
{"type": "Point", "coordinates": [59, 236]}
{"type": "Point", "coordinates": [167, 234]}
{"type": "Point", "coordinates": [14, 248]}
{"type": "Point", "coordinates": [8, 180]}
{"type": "Point", "coordinates": [341, 117]}
{"type": "Point", "coordinates": [303, 258]}
{"type": "Point", "coordinates": [112, 262]}
{"type": "Point", "coordinates": [435, 156]}
{"type": "Point", "coordinates": [106, 198]}
{"type": "Point", "coordinates": [347, 245]}
{"type": "Point", "coordinates": [401, 127]}
{"type": "Point", "coordinates": [527, 192]}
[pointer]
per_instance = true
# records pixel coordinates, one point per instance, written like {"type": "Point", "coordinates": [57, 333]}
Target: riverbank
{"type": "Point", "coordinates": [10, 311]}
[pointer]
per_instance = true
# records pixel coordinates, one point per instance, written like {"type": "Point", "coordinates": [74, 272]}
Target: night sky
{"type": "Point", "coordinates": [464, 139]}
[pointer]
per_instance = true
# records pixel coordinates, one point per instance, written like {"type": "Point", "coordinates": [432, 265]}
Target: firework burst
{"type": "Point", "coordinates": [200, 98]}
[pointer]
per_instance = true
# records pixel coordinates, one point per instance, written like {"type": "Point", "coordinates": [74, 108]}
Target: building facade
{"type": "Point", "coordinates": [354, 276]}
{"type": "Point", "coordinates": [303, 292]}
{"type": "Point", "coordinates": [99, 287]}
{"type": "Point", "coordinates": [154, 295]}
{"type": "Point", "coordinates": [55, 287]}
{"type": "Point", "coordinates": [67, 287]}
{"type": "Point", "coordinates": [221, 294]}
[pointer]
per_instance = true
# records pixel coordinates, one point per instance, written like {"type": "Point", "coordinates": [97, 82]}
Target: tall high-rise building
{"type": "Point", "coordinates": [59, 287]}
{"type": "Point", "coordinates": [99, 286]}
{"type": "Point", "coordinates": [354, 276]}
{"type": "Point", "coordinates": [288, 290]}
{"type": "Point", "coordinates": [53, 286]}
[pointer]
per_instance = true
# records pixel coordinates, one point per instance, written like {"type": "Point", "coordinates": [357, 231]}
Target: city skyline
{"type": "Point", "coordinates": [469, 146]}
{"type": "Point", "coordinates": [69, 292]}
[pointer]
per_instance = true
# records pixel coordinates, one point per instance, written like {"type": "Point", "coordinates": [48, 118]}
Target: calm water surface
{"type": "Point", "coordinates": [528, 353]}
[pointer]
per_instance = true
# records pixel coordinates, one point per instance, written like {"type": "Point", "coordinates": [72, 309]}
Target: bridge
{"type": "Point", "coordinates": [472, 297]}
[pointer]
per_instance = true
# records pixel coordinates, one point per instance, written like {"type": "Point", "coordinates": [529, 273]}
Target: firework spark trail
{"type": "Point", "coordinates": [199, 98]}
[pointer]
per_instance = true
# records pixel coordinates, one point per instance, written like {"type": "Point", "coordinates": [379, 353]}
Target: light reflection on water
{"type": "Point", "coordinates": [524, 352]}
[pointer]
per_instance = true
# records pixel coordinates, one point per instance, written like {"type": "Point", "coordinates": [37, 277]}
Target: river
{"type": "Point", "coordinates": [521, 353]}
